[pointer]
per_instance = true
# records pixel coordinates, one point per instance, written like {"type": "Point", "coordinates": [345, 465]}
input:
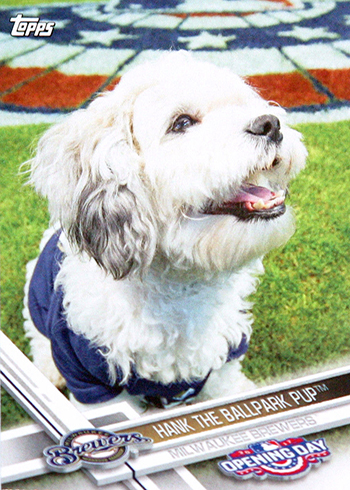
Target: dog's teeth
{"type": "Point", "coordinates": [259, 205]}
{"type": "Point", "coordinates": [280, 193]}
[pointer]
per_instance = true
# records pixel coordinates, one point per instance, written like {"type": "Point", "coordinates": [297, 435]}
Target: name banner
{"type": "Point", "coordinates": [304, 398]}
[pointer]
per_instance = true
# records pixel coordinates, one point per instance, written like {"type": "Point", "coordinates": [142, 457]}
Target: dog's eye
{"type": "Point", "coordinates": [182, 123]}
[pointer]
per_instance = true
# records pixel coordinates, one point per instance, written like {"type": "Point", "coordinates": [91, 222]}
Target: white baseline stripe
{"type": "Point", "coordinates": [322, 116]}
{"type": "Point", "coordinates": [8, 118]}
{"type": "Point", "coordinates": [189, 478]}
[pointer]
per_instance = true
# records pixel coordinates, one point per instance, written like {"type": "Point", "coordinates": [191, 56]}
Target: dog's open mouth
{"type": "Point", "coordinates": [251, 202]}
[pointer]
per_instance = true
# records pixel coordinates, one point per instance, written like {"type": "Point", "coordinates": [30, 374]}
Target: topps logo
{"type": "Point", "coordinates": [25, 26]}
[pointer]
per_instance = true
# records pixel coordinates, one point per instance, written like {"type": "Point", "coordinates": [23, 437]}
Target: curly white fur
{"type": "Point", "coordinates": [148, 273]}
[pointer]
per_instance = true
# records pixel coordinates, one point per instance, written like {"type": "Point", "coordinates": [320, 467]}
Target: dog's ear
{"type": "Point", "coordinates": [88, 169]}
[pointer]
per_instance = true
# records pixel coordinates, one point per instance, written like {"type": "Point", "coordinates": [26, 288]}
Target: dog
{"type": "Point", "coordinates": [164, 195]}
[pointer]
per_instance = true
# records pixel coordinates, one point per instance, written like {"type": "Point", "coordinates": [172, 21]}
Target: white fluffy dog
{"type": "Point", "coordinates": [168, 190]}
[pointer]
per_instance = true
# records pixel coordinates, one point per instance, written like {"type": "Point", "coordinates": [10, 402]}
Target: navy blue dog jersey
{"type": "Point", "coordinates": [81, 363]}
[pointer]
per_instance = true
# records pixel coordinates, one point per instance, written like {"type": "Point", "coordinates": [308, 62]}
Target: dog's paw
{"type": "Point", "coordinates": [227, 381]}
{"type": "Point", "coordinates": [52, 373]}
{"type": "Point", "coordinates": [41, 354]}
{"type": "Point", "coordinates": [46, 365]}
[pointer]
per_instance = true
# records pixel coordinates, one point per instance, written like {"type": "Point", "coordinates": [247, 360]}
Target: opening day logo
{"type": "Point", "coordinates": [284, 460]}
{"type": "Point", "coordinates": [94, 448]}
{"type": "Point", "coordinates": [25, 26]}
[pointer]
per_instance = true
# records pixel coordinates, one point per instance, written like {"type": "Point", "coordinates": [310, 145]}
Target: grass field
{"type": "Point", "coordinates": [302, 307]}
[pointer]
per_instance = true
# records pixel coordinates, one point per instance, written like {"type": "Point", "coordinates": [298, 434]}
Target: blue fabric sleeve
{"type": "Point", "coordinates": [82, 365]}
{"type": "Point", "coordinates": [43, 306]}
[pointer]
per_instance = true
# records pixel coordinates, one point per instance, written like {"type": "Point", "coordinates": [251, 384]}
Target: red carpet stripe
{"type": "Point", "coordinates": [56, 91]}
{"type": "Point", "coordinates": [59, 91]}
{"type": "Point", "coordinates": [337, 81]}
{"type": "Point", "coordinates": [288, 89]}
{"type": "Point", "coordinates": [10, 77]}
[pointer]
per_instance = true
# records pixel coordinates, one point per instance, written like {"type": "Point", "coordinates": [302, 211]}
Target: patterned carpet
{"type": "Point", "coordinates": [296, 53]}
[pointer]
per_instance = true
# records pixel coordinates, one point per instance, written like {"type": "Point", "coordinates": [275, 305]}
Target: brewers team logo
{"type": "Point", "coordinates": [288, 459]}
{"type": "Point", "coordinates": [94, 448]}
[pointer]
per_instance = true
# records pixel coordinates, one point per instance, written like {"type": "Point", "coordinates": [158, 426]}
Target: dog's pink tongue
{"type": "Point", "coordinates": [253, 193]}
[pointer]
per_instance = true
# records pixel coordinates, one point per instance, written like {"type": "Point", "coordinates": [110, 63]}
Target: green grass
{"type": "Point", "coordinates": [23, 218]}
{"type": "Point", "coordinates": [302, 305]}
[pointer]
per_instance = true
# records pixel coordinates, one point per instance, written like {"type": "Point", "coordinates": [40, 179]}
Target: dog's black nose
{"type": "Point", "coordinates": [266, 125]}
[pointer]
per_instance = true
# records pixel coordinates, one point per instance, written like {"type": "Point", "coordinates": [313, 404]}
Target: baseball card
{"type": "Point", "coordinates": [175, 244]}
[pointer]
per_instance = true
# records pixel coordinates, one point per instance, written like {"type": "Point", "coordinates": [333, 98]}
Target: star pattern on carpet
{"type": "Point", "coordinates": [307, 33]}
{"type": "Point", "coordinates": [299, 57]}
{"type": "Point", "coordinates": [60, 24]}
{"type": "Point", "coordinates": [206, 40]}
{"type": "Point", "coordinates": [103, 37]}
